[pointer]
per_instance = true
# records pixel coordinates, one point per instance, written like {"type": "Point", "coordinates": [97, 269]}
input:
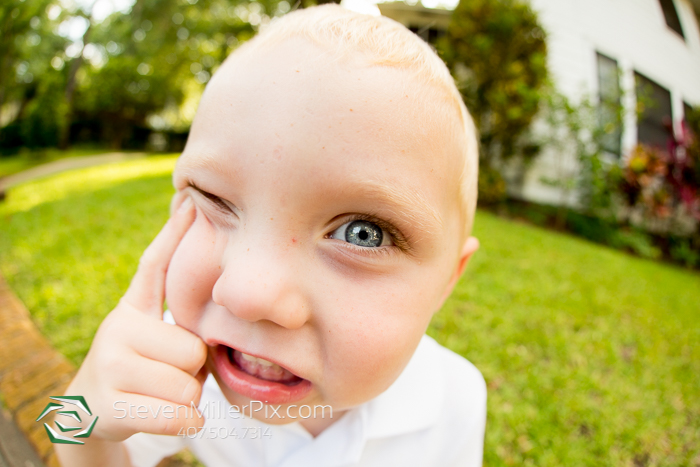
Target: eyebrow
{"type": "Point", "coordinates": [188, 165]}
{"type": "Point", "coordinates": [407, 204]}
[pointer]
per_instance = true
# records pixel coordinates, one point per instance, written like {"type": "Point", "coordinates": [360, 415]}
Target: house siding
{"type": "Point", "coordinates": [634, 33]}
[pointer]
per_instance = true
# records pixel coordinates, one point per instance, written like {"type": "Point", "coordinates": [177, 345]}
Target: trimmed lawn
{"type": "Point", "coordinates": [591, 356]}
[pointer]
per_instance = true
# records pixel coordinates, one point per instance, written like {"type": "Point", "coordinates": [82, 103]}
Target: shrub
{"type": "Point", "coordinates": [577, 128]}
{"type": "Point", "coordinates": [591, 228]}
{"type": "Point", "coordinates": [492, 187]}
{"type": "Point", "coordinates": [636, 241]}
{"type": "Point", "coordinates": [684, 253]}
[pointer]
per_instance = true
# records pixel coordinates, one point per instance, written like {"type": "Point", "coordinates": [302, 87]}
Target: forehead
{"type": "Point", "coordinates": [303, 112]}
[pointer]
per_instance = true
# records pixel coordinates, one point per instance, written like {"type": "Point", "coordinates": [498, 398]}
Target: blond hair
{"type": "Point", "coordinates": [384, 42]}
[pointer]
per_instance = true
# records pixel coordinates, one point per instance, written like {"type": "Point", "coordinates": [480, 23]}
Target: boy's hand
{"type": "Point", "coordinates": [136, 359]}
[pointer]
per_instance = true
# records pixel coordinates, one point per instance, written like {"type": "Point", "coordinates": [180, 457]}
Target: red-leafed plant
{"type": "Point", "coordinates": [659, 182]}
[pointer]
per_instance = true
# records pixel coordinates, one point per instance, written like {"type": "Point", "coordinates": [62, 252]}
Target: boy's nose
{"type": "Point", "coordinates": [259, 283]}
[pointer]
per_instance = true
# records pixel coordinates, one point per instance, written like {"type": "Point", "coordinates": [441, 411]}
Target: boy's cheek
{"type": "Point", "coordinates": [372, 344]}
{"type": "Point", "coordinates": [370, 372]}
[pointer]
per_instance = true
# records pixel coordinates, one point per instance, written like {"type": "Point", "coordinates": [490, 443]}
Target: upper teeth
{"type": "Point", "coordinates": [259, 361]}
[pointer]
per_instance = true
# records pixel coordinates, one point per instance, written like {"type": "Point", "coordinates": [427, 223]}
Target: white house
{"type": "Point", "coordinates": [652, 45]}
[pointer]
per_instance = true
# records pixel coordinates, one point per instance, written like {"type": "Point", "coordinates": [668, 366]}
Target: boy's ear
{"type": "Point", "coordinates": [178, 199]}
{"type": "Point", "coordinates": [468, 249]}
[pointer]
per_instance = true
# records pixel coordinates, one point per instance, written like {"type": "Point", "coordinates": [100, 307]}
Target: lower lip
{"type": "Point", "coordinates": [254, 388]}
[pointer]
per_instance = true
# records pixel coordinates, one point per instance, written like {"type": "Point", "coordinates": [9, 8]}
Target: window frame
{"type": "Point", "coordinates": [646, 119]}
{"type": "Point", "coordinates": [609, 105]}
{"type": "Point", "coordinates": [671, 17]}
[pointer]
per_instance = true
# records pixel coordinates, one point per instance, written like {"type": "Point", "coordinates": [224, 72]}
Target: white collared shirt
{"type": "Point", "coordinates": [434, 414]}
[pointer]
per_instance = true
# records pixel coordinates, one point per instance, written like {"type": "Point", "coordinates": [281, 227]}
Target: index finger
{"type": "Point", "coordinates": [147, 289]}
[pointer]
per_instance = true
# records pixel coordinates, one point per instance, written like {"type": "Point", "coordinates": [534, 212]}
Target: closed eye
{"type": "Point", "coordinates": [215, 200]}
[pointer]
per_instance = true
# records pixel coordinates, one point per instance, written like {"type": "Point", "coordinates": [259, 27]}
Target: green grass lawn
{"type": "Point", "coordinates": [592, 356]}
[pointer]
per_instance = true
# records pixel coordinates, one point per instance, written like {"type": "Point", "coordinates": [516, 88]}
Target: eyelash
{"type": "Point", "coordinates": [398, 239]}
{"type": "Point", "coordinates": [217, 208]}
{"type": "Point", "coordinates": [218, 203]}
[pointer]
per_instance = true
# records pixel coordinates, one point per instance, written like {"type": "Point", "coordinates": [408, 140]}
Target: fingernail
{"type": "Point", "coordinates": [185, 205]}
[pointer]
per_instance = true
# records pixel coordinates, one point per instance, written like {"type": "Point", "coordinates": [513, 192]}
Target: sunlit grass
{"type": "Point", "coordinates": [591, 356]}
{"type": "Point", "coordinates": [10, 165]}
{"type": "Point", "coordinates": [70, 243]}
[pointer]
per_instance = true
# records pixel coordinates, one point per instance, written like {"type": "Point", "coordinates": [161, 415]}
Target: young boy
{"type": "Point", "coordinates": [322, 216]}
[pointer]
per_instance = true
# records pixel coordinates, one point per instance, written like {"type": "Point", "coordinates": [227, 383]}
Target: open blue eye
{"type": "Point", "coordinates": [361, 233]}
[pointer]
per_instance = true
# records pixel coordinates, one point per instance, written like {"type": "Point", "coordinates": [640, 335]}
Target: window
{"type": "Point", "coordinates": [671, 16]}
{"type": "Point", "coordinates": [653, 112]}
{"type": "Point", "coordinates": [609, 103]}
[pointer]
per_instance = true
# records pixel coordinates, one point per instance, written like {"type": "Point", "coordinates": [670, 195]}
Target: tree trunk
{"type": "Point", "coordinates": [3, 74]}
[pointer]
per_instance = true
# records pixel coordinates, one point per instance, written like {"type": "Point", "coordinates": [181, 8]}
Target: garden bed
{"type": "Point", "coordinates": [684, 251]}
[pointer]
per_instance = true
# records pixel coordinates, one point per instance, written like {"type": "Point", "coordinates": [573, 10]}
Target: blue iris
{"type": "Point", "coordinates": [363, 233]}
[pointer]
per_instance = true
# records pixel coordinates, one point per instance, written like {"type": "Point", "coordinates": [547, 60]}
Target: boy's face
{"type": "Point", "coordinates": [327, 228]}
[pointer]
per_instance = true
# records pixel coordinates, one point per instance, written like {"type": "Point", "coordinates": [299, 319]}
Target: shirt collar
{"type": "Point", "coordinates": [410, 404]}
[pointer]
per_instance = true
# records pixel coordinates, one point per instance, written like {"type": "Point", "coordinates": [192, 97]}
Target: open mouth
{"type": "Point", "coordinates": [257, 378]}
{"type": "Point", "coordinates": [261, 368]}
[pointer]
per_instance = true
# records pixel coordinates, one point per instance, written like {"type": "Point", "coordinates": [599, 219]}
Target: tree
{"type": "Point", "coordinates": [148, 59]}
{"type": "Point", "coordinates": [126, 73]}
{"type": "Point", "coordinates": [497, 52]}
{"type": "Point", "coordinates": [17, 27]}
{"type": "Point", "coordinates": [28, 43]}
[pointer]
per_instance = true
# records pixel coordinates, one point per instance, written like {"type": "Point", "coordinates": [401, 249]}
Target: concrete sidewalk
{"type": "Point", "coordinates": [15, 450]}
{"type": "Point", "coordinates": [62, 165]}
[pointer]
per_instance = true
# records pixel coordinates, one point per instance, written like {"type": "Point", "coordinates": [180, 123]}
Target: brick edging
{"type": "Point", "coordinates": [31, 370]}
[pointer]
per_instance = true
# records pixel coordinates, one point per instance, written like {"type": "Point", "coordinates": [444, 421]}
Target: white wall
{"type": "Point", "coordinates": [634, 33]}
